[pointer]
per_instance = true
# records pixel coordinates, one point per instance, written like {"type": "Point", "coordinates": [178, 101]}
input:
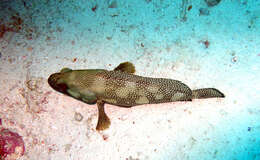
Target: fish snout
{"type": "Point", "coordinates": [54, 82]}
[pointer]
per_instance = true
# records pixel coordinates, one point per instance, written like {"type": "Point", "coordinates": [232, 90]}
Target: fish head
{"type": "Point", "coordinates": [73, 82]}
{"type": "Point", "coordinates": [56, 81]}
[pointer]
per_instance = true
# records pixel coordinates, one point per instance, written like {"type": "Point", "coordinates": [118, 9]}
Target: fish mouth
{"type": "Point", "coordinates": [53, 81]}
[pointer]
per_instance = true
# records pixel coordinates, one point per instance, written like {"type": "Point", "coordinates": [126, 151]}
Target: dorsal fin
{"type": "Point", "coordinates": [125, 67]}
{"type": "Point", "coordinates": [63, 70]}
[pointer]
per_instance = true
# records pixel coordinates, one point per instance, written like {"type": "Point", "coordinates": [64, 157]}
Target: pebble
{"type": "Point", "coordinates": [204, 12]}
{"type": "Point", "coordinates": [212, 3]}
{"type": "Point", "coordinates": [78, 117]}
{"type": "Point", "coordinates": [234, 59]}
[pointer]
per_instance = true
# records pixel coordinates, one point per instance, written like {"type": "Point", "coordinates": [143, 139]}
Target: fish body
{"type": "Point", "coordinates": [122, 88]}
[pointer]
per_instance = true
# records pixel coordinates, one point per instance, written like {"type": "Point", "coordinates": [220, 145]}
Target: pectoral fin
{"type": "Point", "coordinates": [73, 93]}
{"type": "Point", "coordinates": [103, 120]}
{"type": "Point", "coordinates": [88, 97]}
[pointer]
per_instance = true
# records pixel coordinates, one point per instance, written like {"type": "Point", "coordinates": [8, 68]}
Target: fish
{"type": "Point", "coordinates": [121, 87]}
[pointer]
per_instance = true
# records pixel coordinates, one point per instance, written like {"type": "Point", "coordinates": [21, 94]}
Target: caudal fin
{"type": "Point", "coordinates": [206, 93]}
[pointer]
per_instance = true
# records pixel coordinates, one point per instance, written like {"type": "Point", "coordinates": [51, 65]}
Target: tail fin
{"type": "Point", "coordinates": [206, 93]}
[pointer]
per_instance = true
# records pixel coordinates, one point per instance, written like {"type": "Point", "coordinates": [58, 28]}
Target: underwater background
{"type": "Point", "coordinates": [203, 43]}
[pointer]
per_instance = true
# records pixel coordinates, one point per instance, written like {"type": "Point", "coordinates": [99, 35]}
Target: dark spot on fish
{"type": "Point", "coordinates": [249, 129]}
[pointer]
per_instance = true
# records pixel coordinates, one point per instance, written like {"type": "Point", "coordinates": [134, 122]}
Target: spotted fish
{"type": "Point", "coordinates": [122, 88]}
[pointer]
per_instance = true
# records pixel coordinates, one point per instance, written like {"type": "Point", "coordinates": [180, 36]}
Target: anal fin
{"type": "Point", "coordinates": [103, 120]}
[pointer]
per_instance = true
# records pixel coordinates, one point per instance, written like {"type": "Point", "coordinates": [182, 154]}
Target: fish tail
{"type": "Point", "coordinates": [206, 93]}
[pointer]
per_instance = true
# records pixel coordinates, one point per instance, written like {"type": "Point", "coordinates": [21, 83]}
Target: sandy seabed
{"type": "Point", "coordinates": [189, 41]}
